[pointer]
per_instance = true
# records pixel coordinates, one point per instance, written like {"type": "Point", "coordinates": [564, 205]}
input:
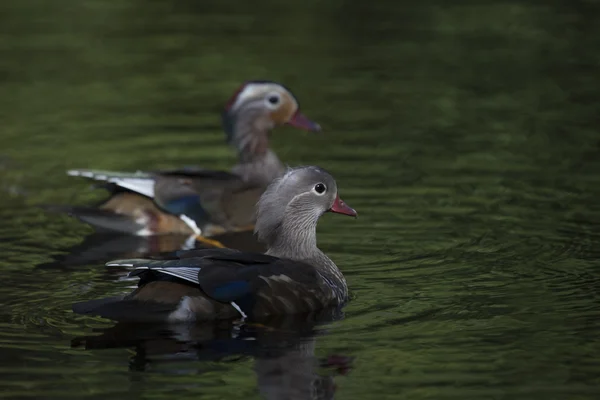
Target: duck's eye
{"type": "Point", "coordinates": [273, 100]}
{"type": "Point", "coordinates": [320, 188]}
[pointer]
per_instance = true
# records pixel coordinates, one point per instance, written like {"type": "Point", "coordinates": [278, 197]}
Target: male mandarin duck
{"type": "Point", "coordinates": [196, 201]}
{"type": "Point", "coordinates": [292, 277]}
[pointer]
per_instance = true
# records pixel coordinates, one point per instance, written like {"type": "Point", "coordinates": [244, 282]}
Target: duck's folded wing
{"type": "Point", "coordinates": [188, 264]}
{"type": "Point", "coordinates": [228, 275]}
{"type": "Point", "coordinates": [176, 268]}
{"type": "Point", "coordinates": [168, 187]}
{"type": "Point", "coordinates": [138, 182]}
{"type": "Point", "coordinates": [217, 196]}
{"type": "Point", "coordinates": [228, 281]}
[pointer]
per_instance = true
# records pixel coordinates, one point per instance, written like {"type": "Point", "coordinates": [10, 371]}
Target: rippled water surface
{"type": "Point", "coordinates": [465, 134]}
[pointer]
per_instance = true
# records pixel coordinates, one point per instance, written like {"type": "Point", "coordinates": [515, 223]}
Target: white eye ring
{"type": "Point", "coordinates": [320, 189]}
{"type": "Point", "coordinates": [273, 100]}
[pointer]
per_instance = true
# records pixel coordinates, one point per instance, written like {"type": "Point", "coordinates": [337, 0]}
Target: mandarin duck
{"type": "Point", "coordinates": [200, 202]}
{"type": "Point", "coordinates": [292, 277]}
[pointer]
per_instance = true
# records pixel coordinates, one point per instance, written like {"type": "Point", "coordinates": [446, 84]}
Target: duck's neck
{"type": "Point", "coordinates": [296, 239]}
{"type": "Point", "coordinates": [257, 163]}
{"type": "Point", "coordinates": [259, 170]}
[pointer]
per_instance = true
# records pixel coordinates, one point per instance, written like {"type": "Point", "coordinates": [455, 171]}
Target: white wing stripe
{"type": "Point", "coordinates": [141, 186]}
{"type": "Point", "coordinates": [239, 309]}
{"type": "Point", "coordinates": [187, 273]}
{"type": "Point", "coordinates": [119, 265]}
{"type": "Point", "coordinates": [192, 224]}
{"type": "Point", "coordinates": [191, 275]}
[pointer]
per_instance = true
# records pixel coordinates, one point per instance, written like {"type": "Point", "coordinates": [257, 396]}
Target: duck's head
{"type": "Point", "coordinates": [295, 202]}
{"type": "Point", "coordinates": [259, 106]}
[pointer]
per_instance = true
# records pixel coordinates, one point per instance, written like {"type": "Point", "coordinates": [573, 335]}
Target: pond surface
{"type": "Point", "coordinates": [465, 135]}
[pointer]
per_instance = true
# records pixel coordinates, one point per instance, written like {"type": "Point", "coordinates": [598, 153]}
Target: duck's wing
{"type": "Point", "coordinates": [171, 201]}
{"type": "Point", "coordinates": [188, 264]}
{"type": "Point", "coordinates": [137, 182]}
{"type": "Point", "coordinates": [258, 284]}
{"type": "Point", "coordinates": [144, 182]}
{"type": "Point", "coordinates": [222, 199]}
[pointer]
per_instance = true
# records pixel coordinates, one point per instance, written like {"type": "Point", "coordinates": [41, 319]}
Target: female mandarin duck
{"type": "Point", "coordinates": [200, 201]}
{"type": "Point", "coordinates": [292, 277]}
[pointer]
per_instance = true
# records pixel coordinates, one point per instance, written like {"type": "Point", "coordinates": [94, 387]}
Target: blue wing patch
{"type": "Point", "coordinates": [231, 291]}
{"type": "Point", "coordinates": [189, 206]}
{"type": "Point", "coordinates": [183, 205]}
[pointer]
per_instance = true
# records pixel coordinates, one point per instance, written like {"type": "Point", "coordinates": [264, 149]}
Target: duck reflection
{"type": "Point", "coordinates": [283, 350]}
{"type": "Point", "coordinates": [100, 247]}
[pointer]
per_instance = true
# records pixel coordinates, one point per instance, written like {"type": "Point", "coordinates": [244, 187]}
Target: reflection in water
{"type": "Point", "coordinates": [283, 349]}
{"type": "Point", "coordinates": [99, 247]}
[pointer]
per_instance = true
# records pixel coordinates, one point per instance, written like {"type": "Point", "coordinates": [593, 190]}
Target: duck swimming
{"type": "Point", "coordinates": [196, 201]}
{"type": "Point", "coordinates": [292, 277]}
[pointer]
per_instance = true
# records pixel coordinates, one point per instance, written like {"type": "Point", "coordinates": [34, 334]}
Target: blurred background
{"type": "Point", "coordinates": [464, 133]}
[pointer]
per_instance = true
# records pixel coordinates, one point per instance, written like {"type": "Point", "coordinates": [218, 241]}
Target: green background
{"type": "Point", "coordinates": [464, 133]}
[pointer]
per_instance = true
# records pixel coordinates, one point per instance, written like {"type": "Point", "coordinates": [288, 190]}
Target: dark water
{"type": "Point", "coordinates": [466, 136]}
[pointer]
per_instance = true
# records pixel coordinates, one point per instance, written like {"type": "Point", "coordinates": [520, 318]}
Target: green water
{"type": "Point", "coordinates": [464, 133]}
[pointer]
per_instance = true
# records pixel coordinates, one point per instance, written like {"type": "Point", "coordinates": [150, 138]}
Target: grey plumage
{"type": "Point", "coordinates": [288, 212]}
